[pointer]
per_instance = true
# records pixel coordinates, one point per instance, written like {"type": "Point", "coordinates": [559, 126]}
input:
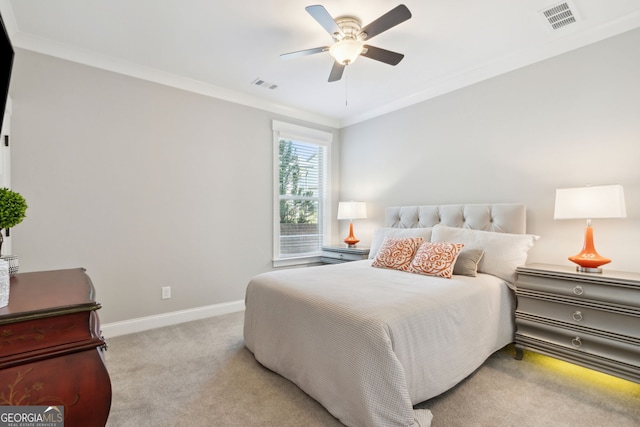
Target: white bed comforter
{"type": "Point", "coordinates": [369, 343]}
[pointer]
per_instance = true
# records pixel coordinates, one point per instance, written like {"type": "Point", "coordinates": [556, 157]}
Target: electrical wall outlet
{"type": "Point", "coordinates": [166, 292]}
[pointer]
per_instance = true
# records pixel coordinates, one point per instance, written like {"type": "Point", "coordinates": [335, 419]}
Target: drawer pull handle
{"type": "Point", "coordinates": [577, 316]}
{"type": "Point", "coordinates": [577, 342]}
{"type": "Point", "coordinates": [578, 290]}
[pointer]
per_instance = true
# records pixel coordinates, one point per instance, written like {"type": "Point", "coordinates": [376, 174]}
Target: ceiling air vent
{"type": "Point", "coordinates": [560, 15]}
{"type": "Point", "coordinates": [264, 84]}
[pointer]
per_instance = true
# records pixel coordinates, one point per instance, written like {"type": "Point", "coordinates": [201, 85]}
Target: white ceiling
{"type": "Point", "coordinates": [219, 47]}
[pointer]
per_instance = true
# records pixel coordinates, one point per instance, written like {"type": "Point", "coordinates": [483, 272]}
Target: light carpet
{"type": "Point", "coordinates": [200, 374]}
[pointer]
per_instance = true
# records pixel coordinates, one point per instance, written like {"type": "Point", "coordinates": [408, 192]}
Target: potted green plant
{"type": "Point", "coordinates": [13, 209]}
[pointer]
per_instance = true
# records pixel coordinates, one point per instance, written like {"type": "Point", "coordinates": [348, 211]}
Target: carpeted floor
{"type": "Point", "coordinates": [199, 374]}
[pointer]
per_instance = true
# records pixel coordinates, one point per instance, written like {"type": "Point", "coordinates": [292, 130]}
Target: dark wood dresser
{"type": "Point", "coordinates": [51, 347]}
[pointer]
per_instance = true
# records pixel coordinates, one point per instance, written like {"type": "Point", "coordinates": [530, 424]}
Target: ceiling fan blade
{"type": "Point", "coordinates": [382, 55]}
{"type": "Point", "coordinates": [304, 52]}
{"type": "Point", "coordinates": [321, 15]}
{"type": "Point", "coordinates": [336, 71]}
{"type": "Point", "coordinates": [390, 19]}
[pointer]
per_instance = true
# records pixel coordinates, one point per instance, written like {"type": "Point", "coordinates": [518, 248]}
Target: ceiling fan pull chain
{"type": "Point", "coordinates": [346, 86]}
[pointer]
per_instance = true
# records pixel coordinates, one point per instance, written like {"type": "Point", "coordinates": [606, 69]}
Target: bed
{"type": "Point", "coordinates": [370, 343]}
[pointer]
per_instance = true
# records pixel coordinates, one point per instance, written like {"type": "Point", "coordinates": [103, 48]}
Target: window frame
{"type": "Point", "coordinates": [303, 134]}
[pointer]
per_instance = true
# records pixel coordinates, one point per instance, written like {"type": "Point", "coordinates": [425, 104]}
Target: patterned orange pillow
{"type": "Point", "coordinates": [397, 252]}
{"type": "Point", "coordinates": [435, 259]}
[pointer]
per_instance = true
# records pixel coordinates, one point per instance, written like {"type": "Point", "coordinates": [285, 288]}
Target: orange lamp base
{"type": "Point", "coordinates": [588, 260]}
{"type": "Point", "coordinates": [351, 240]}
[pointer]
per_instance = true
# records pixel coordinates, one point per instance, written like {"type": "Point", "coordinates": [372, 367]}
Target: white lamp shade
{"type": "Point", "coordinates": [346, 51]}
{"type": "Point", "coordinates": [352, 210]}
{"type": "Point", "coordinates": [602, 201]}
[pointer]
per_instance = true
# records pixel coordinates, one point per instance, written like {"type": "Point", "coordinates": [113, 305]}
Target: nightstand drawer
{"type": "Point", "coordinates": [581, 289]}
{"type": "Point", "coordinates": [330, 260]}
{"type": "Point", "coordinates": [601, 318]}
{"type": "Point", "coordinates": [343, 256]}
{"type": "Point", "coordinates": [339, 254]}
{"type": "Point", "coordinates": [537, 335]}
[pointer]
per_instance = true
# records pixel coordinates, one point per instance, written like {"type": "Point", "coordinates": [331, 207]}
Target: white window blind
{"type": "Point", "coordinates": [302, 180]}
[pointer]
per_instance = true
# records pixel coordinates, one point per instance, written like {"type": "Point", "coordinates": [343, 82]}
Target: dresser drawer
{"type": "Point", "coordinates": [47, 334]}
{"type": "Point", "coordinates": [603, 319]}
{"type": "Point", "coordinates": [580, 289]}
{"type": "Point", "coordinates": [530, 332]}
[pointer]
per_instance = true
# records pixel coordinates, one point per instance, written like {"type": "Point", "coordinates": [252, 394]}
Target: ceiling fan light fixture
{"type": "Point", "coordinates": [346, 51]}
{"type": "Point", "coordinates": [349, 35]}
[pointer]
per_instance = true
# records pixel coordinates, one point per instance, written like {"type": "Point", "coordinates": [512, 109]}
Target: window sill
{"type": "Point", "coordinates": [296, 261]}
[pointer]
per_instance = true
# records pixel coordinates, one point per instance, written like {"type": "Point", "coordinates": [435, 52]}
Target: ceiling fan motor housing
{"type": "Point", "coordinates": [350, 27]}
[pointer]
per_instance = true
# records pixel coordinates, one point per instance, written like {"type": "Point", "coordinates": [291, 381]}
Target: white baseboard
{"type": "Point", "coordinates": [110, 330]}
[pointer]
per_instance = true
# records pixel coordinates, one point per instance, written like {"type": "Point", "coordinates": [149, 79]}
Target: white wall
{"type": "Point", "coordinates": [564, 122]}
{"type": "Point", "coordinates": [143, 185]}
{"type": "Point", "coordinates": [149, 186]}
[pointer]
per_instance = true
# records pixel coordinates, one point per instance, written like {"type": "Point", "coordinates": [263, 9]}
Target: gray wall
{"type": "Point", "coordinates": [143, 185]}
{"type": "Point", "coordinates": [148, 186]}
{"type": "Point", "coordinates": [564, 122]}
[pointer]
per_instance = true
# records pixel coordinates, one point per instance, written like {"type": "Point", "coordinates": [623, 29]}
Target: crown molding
{"type": "Point", "coordinates": [86, 57]}
{"type": "Point", "coordinates": [505, 64]}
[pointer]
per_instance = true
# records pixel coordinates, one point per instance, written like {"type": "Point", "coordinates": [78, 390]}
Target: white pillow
{"type": "Point", "coordinates": [503, 252]}
{"type": "Point", "coordinates": [381, 233]}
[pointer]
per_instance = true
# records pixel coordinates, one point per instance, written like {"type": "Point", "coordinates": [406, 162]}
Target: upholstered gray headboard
{"type": "Point", "coordinates": [500, 217]}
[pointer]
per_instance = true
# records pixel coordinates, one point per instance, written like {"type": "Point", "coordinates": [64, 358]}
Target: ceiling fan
{"type": "Point", "coordinates": [349, 37]}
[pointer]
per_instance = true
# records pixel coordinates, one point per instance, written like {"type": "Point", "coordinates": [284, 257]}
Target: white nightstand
{"type": "Point", "coordinates": [339, 254]}
{"type": "Point", "coordinates": [590, 319]}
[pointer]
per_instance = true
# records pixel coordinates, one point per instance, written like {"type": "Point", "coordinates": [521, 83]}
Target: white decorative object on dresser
{"type": "Point", "coordinates": [340, 254]}
{"type": "Point", "coordinates": [587, 319]}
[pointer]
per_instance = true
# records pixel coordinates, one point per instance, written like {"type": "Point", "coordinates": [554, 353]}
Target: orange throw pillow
{"type": "Point", "coordinates": [435, 259]}
{"type": "Point", "coordinates": [397, 252]}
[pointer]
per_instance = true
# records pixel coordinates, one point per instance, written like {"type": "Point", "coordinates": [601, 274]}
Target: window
{"type": "Point", "coordinates": [301, 186]}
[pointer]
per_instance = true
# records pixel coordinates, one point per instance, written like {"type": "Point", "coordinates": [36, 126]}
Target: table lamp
{"type": "Point", "coordinates": [351, 211]}
{"type": "Point", "coordinates": [603, 201]}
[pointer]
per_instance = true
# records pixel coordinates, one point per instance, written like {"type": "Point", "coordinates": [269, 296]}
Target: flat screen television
{"type": "Point", "coordinates": [5, 67]}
